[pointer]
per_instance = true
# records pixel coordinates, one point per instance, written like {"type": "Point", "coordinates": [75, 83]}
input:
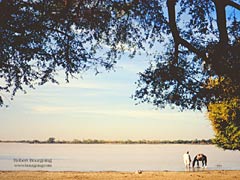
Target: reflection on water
{"type": "Point", "coordinates": [111, 157]}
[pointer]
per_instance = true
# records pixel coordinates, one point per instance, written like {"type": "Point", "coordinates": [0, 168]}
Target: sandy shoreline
{"type": "Point", "coordinates": [44, 175]}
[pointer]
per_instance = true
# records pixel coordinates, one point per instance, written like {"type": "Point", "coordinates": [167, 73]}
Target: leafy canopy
{"type": "Point", "coordinates": [224, 117]}
{"type": "Point", "coordinates": [193, 41]}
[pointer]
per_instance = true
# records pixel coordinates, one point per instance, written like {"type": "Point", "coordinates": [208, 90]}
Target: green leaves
{"type": "Point", "coordinates": [225, 119]}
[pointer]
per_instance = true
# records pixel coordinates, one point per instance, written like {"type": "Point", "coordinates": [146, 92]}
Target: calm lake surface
{"type": "Point", "coordinates": [110, 157]}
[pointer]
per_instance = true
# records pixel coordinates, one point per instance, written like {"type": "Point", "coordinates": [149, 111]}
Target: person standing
{"type": "Point", "coordinates": [187, 159]}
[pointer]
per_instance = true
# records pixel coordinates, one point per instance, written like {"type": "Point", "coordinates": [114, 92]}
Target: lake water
{"type": "Point", "coordinates": [110, 157]}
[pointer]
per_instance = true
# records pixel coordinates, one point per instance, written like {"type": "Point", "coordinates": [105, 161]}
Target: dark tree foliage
{"type": "Point", "coordinates": [191, 43]}
{"type": "Point", "coordinates": [39, 38]}
{"type": "Point", "coordinates": [206, 45]}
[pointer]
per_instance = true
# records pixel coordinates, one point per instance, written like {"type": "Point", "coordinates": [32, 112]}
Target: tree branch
{"type": "Point", "coordinates": [233, 4]}
{"type": "Point", "coordinates": [173, 26]}
{"type": "Point", "coordinates": [221, 21]}
{"type": "Point", "coordinates": [177, 39]}
{"type": "Point", "coordinates": [57, 30]}
{"type": "Point", "coordinates": [190, 47]}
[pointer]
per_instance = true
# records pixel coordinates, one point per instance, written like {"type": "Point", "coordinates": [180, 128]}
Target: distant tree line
{"type": "Point", "coordinates": [96, 141]}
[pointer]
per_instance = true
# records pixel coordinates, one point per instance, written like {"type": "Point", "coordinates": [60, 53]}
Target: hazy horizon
{"type": "Point", "coordinates": [97, 107]}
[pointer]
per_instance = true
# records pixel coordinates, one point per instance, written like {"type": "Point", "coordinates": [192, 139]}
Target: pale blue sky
{"type": "Point", "coordinates": [97, 107]}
